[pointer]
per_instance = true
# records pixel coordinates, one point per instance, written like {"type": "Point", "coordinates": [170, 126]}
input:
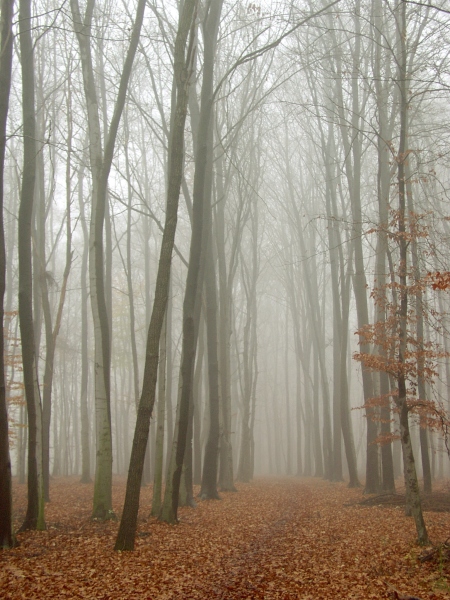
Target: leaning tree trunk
{"type": "Point", "coordinates": [182, 67]}
{"type": "Point", "coordinates": [7, 539]}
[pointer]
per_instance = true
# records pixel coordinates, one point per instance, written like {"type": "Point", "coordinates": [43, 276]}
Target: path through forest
{"type": "Point", "coordinates": [276, 538]}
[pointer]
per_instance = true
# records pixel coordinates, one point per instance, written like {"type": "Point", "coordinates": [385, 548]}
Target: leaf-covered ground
{"type": "Point", "coordinates": [276, 538]}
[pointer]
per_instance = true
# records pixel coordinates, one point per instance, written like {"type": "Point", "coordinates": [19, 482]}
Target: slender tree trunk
{"type": "Point", "coordinates": [198, 393]}
{"type": "Point", "coordinates": [186, 495]}
{"type": "Point", "coordinates": [51, 333]}
{"type": "Point", "coordinates": [383, 185]}
{"type": "Point", "coordinates": [84, 411]}
{"type": "Point", "coordinates": [7, 538]}
{"type": "Point", "coordinates": [169, 374]}
{"type": "Point", "coordinates": [411, 483]}
{"type": "Point", "coordinates": [319, 471]}
{"type": "Point", "coordinates": [211, 457]}
{"type": "Point", "coordinates": [353, 156]}
{"type": "Point", "coordinates": [250, 278]}
{"type": "Point", "coordinates": [130, 274]}
{"type": "Point", "coordinates": [182, 66]}
{"type": "Point", "coordinates": [34, 518]}
{"type": "Point", "coordinates": [423, 431]}
{"type": "Point", "coordinates": [159, 449]}
{"type": "Point", "coordinates": [288, 408]}
{"type": "Point", "coordinates": [298, 395]}
{"type": "Point", "coordinates": [226, 482]}
{"type": "Point", "coordinates": [201, 195]}
{"type": "Point", "coordinates": [100, 166]}
{"type": "Point", "coordinates": [254, 387]}
{"type": "Point", "coordinates": [243, 472]}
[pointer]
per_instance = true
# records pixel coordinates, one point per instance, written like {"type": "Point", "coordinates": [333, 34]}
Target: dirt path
{"type": "Point", "coordinates": [275, 538]}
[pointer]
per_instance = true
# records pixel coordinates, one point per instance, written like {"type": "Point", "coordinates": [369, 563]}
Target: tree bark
{"type": "Point", "coordinates": [411, 483]}
{"type": "Point", "coordinates": [84, 412]}
{"type": "Point", "coordinates": [100, 167]}
{"type": "Point", "coordinates": [7, 538]}
{"type": "Point", "coordinates": [352, 163]}
{"type": "Point", "coordinates": [51, 333]}
{"type": "Point", "coordinates": [210, 462]}
{"type": "Point", "coordinates": [159, 446]}
{"type": "Point", "coordinates": [201, 195]}
{"type": "Point", "coordinates": [34, 518]}
{"type": "Point", "coordinates": [182, 66]}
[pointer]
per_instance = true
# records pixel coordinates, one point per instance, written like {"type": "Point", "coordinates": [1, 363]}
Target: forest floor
{"type": "Point", "coordinates": [283, 538]}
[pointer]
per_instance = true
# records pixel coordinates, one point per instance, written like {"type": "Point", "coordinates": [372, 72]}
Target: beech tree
{"type": "Point", "coordinates": [7, 539]}
{"type": "Point", "coordinates": [399, 363]}
{"type": "Point", "coordinates": [100, 163]}
{"type": "Point", "coordinates": [293, 144]}
{"type": "Point", "coordinates": [34, 518]}
{"type": "Point", "coordinates": [194, 280]}
{"type": "Point", "coordinates": [183, 55]}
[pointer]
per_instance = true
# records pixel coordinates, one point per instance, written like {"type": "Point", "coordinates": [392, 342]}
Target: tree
{"type": "Point", "coordinates": [100, 162]}
{"type": "Point", "coordinates": [383, 87]}
{"type": "Point", "coordinates": [404, 355]}
{"type": "Point", "coordinates": [84, 413]}
{"type": "Point", "coordinates": [183, 55]}
{"type": "Point", "coordinates": [7, 539]}
{"type": "Point", "coordinates": [194, 278]}
{"type": "Point", "coordinates": [34, 518]}
{"type": "Point", "coordinates": [350, 126]}
{"type": "Point", "coordinates": [52, 331]}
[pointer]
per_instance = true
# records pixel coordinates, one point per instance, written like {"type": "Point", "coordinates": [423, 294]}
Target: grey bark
{"type": "Point", "coordinates": [182, 68]}
{"type": "Point", "coordinates": [100, 162]}
{"type": "Point", "coordinates": [411, 483]}
{"type": "Point", "coordinates": [7, 537]}
{"type": "Point", "coordinates": [201, 195]}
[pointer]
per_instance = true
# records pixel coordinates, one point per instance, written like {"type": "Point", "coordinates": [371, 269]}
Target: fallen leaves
{"type": "Point", "coordinates": [276, 539]}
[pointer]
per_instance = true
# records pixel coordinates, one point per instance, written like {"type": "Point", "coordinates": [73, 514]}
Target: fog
{"type": "Point", "coordinates": [230, 237]}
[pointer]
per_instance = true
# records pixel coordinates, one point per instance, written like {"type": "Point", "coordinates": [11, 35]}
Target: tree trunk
{"type": "Point", "coordinates": [7, 538]}
{"type": "Point", "coordinates": [211, 457]}
{"type": "Point", "coordinates": [84, 412]}
{"type": "Point", "coordinates": [411, 483]}
{"type": "Point", "coordinates": [383, 187]}
{"type": "Point", "coordinates": [250, 278]}
{"type": "Point", "coordinates": [159, 449]}
{"type": "Point", "coordinates": [100, 166]}
{"type": "Point", "coordinates": [182, 66]}
{"type": "Point", "coordinates": [201, 195]}
{"type": "Point", "coordinates": [225, 280]}
{"type": "Point", "coordinates": [352, 163]}
{"type": "Point", "coordinates": [130, 274]}
{"type": "Point", "coordinates": [198, 393]}
{"type": "Point", "coordinates": [34, 518]}
{"type": "Point", "coordinates": [51, 333]}
{"type": "Point", "coordinates": [423, 432]}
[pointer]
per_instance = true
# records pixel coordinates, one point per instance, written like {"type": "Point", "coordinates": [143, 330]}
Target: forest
{"type": "Point", "coordinates": [224, 290]}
